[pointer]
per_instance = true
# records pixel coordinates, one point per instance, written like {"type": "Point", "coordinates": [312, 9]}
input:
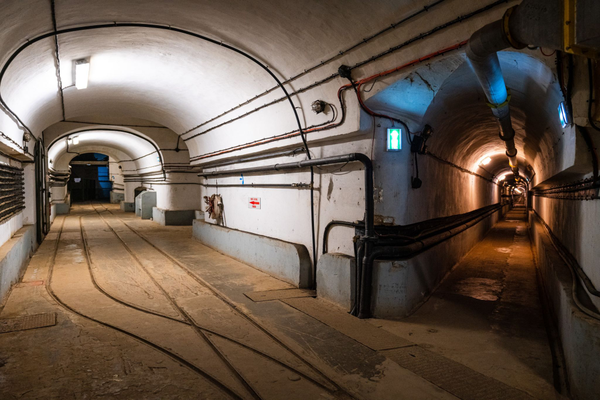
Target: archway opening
{"type": "Point", "coordinates": [89, 180]}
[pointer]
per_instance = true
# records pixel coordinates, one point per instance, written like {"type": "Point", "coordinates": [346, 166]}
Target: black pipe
{"type": "Point", "coordinates": [346, 158]}
{"type": "Point", "coordinates": [285, 153]}
{"type": "Point", "coordinates": [366, 161]}
{"type": "Point", "coordinates": [358, 276]}
{"type": "Point", "coordinates": [591, 95]}
{"type": "Point", "coordinates": [568, 258]}
{"type": "Point", "coordinates": [402, 252]}
{"type": "Point", "coordinates": [331, 225]}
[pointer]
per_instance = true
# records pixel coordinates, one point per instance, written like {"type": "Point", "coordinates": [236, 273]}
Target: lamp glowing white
{"type": "Point", "coordinates": [485, 161]}
{"type": "Point", "coordinates": [502, 177]}
{"type": "Point", "coordinates": [76, 140]}
{"type": "Point", "coordinates": [82, 74]}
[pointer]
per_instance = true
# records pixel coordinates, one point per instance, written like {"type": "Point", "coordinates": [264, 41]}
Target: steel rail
{"type": "Point", "coordinates": [174, 356]}
{"type": "Point", "coordinates": [192, 322]}
{"type": "Point", "coordinates": [241, 313]}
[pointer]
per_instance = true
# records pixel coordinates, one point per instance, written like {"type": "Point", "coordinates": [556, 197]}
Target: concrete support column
{"type": "Point", "coordinates": [177, 199]}
{"type": "Point", "coordinates": [117, 193]}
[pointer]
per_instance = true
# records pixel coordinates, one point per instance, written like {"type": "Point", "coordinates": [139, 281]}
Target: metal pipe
{"type": "Point", "coordinates": [482, 55]}
{"type": "Point", "coordinates": [331, 225]}
{"type": "Point", "coordinates": [533, 22]}
{"type": "Point", "coordinates": [299, 185]}
{"type": "Point", "coordinates": [239, 160]}
{"type": "Point", "coordinates": [401, 253]}
{"type": "Point", "coordinates": [366, 161]}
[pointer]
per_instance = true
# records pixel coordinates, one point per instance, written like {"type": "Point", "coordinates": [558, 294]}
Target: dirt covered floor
{"type": "Point", "coordinates": [144, 311]}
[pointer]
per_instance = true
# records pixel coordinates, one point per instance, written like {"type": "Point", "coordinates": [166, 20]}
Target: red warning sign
{"type": "Point", "coordinates": [254, 202]}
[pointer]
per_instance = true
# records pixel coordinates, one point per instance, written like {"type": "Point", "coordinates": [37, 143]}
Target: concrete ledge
{"type": "Point", "coordinates": [116, 197]}
{"type": "Point", "coordinates": [399, 287]}
{"type": "Point", "coordinates": [579, 333]}
{"type": "Point", "coordinates": [173, 217]}
{"type": "Point", "coordinates": [14, 255]}
{"type": "Point", "coordinates": [287, 261]}
{"type": "Point", "coordinates": [62, 208]}
{"type": "Point", "coordinates": [336, 279]}
{"type": "Point", "coordinates": [127, 207]}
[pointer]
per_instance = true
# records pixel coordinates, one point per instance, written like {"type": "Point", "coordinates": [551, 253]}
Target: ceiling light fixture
{"type": "Point", "coordinates": [82, 73]}
{"type": "Point", "coordinates": [563, 115]}
{"type": "Point", "coordinates": [485, 161]}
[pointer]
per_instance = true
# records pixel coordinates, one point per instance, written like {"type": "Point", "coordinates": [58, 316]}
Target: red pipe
{"type": "Point", "coordinates": [339, 94]}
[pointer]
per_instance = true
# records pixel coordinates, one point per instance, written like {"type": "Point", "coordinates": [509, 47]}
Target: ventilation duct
{"type": "Point", "coordinates": [554, 24]}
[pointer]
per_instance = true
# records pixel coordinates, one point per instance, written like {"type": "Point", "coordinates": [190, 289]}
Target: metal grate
{"type": "Point", "coordinates": [12, 193]}
{"type": "Point", "coordinates": [27, 322]}
{"type": "Point", "coordinates": [453, 377]}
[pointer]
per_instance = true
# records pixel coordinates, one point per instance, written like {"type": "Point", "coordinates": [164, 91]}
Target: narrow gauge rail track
{"type": "Point", "coordinates": [203, 332]}
{"type": "Point", "coordinates": [174, 356]}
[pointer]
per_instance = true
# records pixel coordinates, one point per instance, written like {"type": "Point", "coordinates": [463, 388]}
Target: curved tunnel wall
{"type": "Point", "coordinates": [203, 105]}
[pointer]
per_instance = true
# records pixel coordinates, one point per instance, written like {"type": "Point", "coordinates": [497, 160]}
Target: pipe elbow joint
{"type": "Point", "coordinates": [511, 153]}
{"type": "Point", "coordinates": [487, 41]}
{"type": "Point", "coordinates": [363, 159]}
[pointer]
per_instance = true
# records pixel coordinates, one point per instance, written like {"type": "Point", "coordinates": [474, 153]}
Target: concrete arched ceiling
{"type": "Point", "coordinates": [446, 95]}
{"type": "Point", "coordinates": [121, 146]}
{"type": "Point", "coordinates": [179, 81]}
{"type": "Point", "coordinates": [465, 128]}
{"type": "Point", "coordinates": [166, 77]}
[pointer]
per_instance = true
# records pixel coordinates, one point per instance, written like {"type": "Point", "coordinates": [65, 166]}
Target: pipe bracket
{"type": "Point", "coordinates": [506, 29]}
{"type": "Point", "coordinates": [505, 103]}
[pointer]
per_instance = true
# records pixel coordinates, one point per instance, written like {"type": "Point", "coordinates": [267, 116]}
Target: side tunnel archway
{"type": "Point", "coordinates": [134, 160]}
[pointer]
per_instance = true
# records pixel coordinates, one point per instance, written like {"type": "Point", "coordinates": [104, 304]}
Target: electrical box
{"type": "Point", "coordinates": [144, 202]}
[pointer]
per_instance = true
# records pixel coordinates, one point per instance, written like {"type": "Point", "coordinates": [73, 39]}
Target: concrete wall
{"type": "Point", "coordinates": [287, 261]}
{"type": "Point", "coordinates": [579, 332]}
{"type": "Point", "coordinates": [577, 225]}
{"type": "Point", "coordinates": [399, 286]}
{"type": "Point", "coordinates": [115, 174]}
{"type": "Point", "coordinates": [144, 203]}
{"type": "Point", "coordinates": [173, 217]}
{"type": "Point", "coordinates": [10, 226]}
{"type": "Point", "coordinates": [116, 197]}
{"type": "Point", "coordinates": [14, 255]}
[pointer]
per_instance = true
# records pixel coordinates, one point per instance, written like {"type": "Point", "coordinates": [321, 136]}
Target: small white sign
{"type": "Point", "coordinates": [254, 202]}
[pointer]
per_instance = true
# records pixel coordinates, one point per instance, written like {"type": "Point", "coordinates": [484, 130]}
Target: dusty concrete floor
{"type": "Point", "coordinates": [487, 314]}
{"type": "Point", "coordinates": [146, 311]}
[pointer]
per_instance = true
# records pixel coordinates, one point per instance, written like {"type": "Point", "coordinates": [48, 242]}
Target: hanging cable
{"type": "Point", "coordinates": [57, 60]}
{"type": "Point", "coordinates": [591, 98]}
{"type": "Point", "coordinates": [547, 55]}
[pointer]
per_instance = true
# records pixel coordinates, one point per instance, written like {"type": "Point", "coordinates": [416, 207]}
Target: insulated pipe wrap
{"type": "Point", "coordinates": [539, 23]}
{"type": "Point", "coordinates": [482, 55]}
{"type": "Point", "coordinates": [481, 52]}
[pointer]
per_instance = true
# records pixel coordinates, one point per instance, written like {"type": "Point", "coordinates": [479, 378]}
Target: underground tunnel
{"type": "Point", "coordinates": [299, 199]}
